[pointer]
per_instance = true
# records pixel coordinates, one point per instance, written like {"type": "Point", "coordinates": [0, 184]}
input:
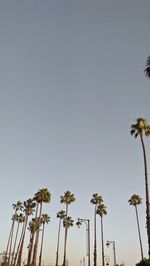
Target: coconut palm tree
{"type": "Point", "coordinates": [147, 67]}
{"type": "Point", "coordinates": [42, 196]}
{"type": "Point", "coordinates": [140, 129]}
{"type": "Point", "coordinates": [101, 211]}
{"type": "Point", "coordinates": [44, 220]}
{"type": "Point", "coordinates": [134, 201]}
{"type": "Point", "coordinates": [29, 208]}
{"type": "Point", "coordinates": [67, 199]}
{"type": "Point", "coordinates": [95, 200]}
{"type": "Point", "coordinates": [60, 215]}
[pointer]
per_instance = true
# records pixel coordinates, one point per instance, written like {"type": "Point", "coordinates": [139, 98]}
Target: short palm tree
{"type": "Point", "coordinates": [140, 129]}
{"type": "Point", "coordinates": [67, 199]}
{"type": "Point", "coordinates": [60, 215]}
{"type": "Point", "coordinates": [147, 67]}
{"type": "Point", "coordinates": [134, 201]}
{"type": "Point", "coordinates": [101, 211]}
{"type": "Point", "coordinates": [42, 196]}
{"type": "Point", "coordinates": [95, 200]}
{"type": "Point", "coordinates": [44, 220]}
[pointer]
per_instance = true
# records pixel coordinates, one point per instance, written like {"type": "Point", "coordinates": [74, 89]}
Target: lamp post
{"type": "Point", "coordinates": [87, 222]}
{"type": "Point", "coordinates": [114, 249]}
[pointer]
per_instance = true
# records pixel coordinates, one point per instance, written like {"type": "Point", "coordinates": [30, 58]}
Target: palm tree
{"type": "Point", "coordinates": [140, 129]}
{"type": "Point", "coordinates": [147, 67]}
{"type": "Point", "coordinates": [68, 198]}
{"type": "Point", "coordinates": [16, 207]}
{"type": "Point", "coordinates": [29, 207]}
{"type": "Point", "coordinates": [134, 201]}
{"type": "Point", "coordinates": [95, 200]}
{"type": "Point", "coordinates": [34, 226]}
{"type": "Point", "coordinates": [44, 220]}
{"type": "Point", "coordinates": [67, 223]}
{"type": "Point", "coordinates": [60, 215]}
{"type": "Point", "coordinates": [43, 195]}
{"type": "Point", "coordinates": [101, 211]}
{"type": "Point", "coordinates": [20, 219]}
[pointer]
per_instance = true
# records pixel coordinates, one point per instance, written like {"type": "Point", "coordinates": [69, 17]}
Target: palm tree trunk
{"type": "Point", "coordinates": [36, 241]}
{"type": "Point", "coordinates": [11, 239]}
{"type": "Point", "coordinates": [139, 233]}
{"type": "Point", "coordinates": [22, 243]}
{"type": "Point", "coordinates": [8, 244]}
{"type": "Point", "coordinates": [147, 194]}
{"type": "Point", "coordinates": [57, 252]}
{"type": "Point", "coordinates": [19, 244]}
{"type": "Point", "coordinates": [13, 252]}
{"type": "Point", "coordinates": [40, 257]}
{"type": "Point", "coordinates": [30, 249]}
{"type": "Point", "coordinates": [103, 263]}
{"type": "Point", "coordinates": [95, 242]}
{"type": "Point", "coordinates": [65, 239]}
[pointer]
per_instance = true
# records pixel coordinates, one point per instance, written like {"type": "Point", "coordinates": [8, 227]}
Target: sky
{"type": "Point", "coordinates": [71, 84]}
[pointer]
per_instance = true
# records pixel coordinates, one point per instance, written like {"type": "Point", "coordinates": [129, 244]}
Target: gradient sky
{"type": "Point", "coordinates": [71, 83]}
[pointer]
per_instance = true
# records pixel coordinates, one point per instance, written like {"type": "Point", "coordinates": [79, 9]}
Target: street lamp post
{"type": "Point", "coordinates": [114, 249]}
{"type": "Point", "coordinates": [87, 222]}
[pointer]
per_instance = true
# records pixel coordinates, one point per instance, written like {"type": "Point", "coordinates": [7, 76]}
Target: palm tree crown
{"type": "Point", "coordinates": [141, 127]}
{"type": "Point", "coordinates": [147, 67]}
{"type": "Point", "coordinates": [43, 195]}
{"type": "Point", "coordinates": [68, 198]}
{"type": "Point", "coordinates": [96, 199]}
{"type": "Point", "coordinates": [101, 210]}
{"type": "Point", "coordinates": [135, 200]}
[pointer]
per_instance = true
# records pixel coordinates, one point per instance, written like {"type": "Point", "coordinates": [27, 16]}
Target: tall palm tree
{"type": "Point", "coordinates": [33, 227]}
{"type": "Point", "coordinates": [29, 207]}
{"type": "Point", "coordinates": [134, 201]}
{"type": "Point", "coordinates": [67, 199]}
{"type": "Point", "coordinates": [101, 211]}
{"type": "Point", "coordinates": [16, 207]}
{"type": "Point", "coordinates": [140, 129]}
{"type": "Point", "coordinates": [60, 215]}
{"type": "Point", "coordinates": [44, 220]}
{"type": "Point", "coordinates": [42, 196]}
{"type": "Point", "coordinates": [67, 223]}
{"type": "Point", "coordinates": [20, 219]}
{"type": "Point", "coordinates": [147, 67]}
{"type": "Point", "coordinates": [95, 200]}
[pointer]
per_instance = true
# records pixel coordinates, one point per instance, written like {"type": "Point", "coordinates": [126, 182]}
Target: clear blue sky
{"type": "Point", "coordinates": [71, 83]}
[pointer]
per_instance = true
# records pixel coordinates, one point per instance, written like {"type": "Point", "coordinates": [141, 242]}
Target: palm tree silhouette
{"type": "Point", "coordinates": [140, 129]}
{"type": "Point", "coordinates": [134, 201]}
{"type": "Point", "coordinates": [67, 199]}
{"type": "Point", "coordinates": [60, 215]}
{"type": "Point", "coordinates": [101, 211]}
{"type": "Point", "coordinates": [42, 196]}
{"type": "Point", "coordinates": [29, 207]}
{"type": "Point", "coordinates": [95, 200]}
{"type": "Point", "coordinates": [147, 67]}
{"type": "Point", "coordinates": [44, 220]}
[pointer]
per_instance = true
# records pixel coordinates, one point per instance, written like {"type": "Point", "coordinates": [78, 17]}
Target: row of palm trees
{"type": "Point", "coordinates": [22, 212]}
{"type": "Point", "coordinates": [34, 206]}
{"type": "Point", "coordinates": [141, 129]}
